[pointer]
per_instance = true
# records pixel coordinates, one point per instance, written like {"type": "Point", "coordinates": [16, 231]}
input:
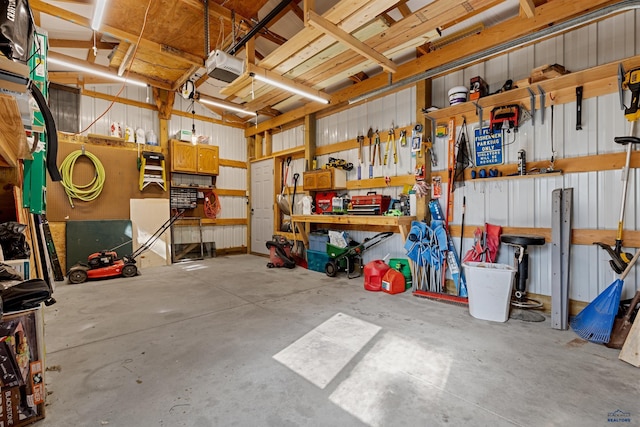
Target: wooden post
{"type": "Point", "coordinates": [258, 146]}
{"type": "Point", "coordinates": [268, 143]}
{"type": "Point", "coordinates": [309, 140]}
{"type": "Point", "coordinates": [423, 100]}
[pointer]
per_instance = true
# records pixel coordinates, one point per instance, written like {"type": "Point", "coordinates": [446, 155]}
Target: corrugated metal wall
{"type": "Point", "coordinates": [126, 115]}
{"type": "Point", "coordinates": [232, 146]}
{"type": "Point", "coordinates": [230, 140]}
{"type": "Point", "coordinates": [527, 202]}
{"type": "Point", "coordinates": [524, 202]}
{"type": "Point", "coordinates": [397, 108]}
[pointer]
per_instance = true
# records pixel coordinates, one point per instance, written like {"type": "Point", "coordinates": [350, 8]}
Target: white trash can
{"type": "Point", "coordinates": [489, 287]}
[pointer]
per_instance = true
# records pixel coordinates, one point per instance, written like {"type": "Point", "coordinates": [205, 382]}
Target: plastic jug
{"type": "Point", "coordinates": [373, 273]}
{"type": "Point", "coordinates": [393, 282]}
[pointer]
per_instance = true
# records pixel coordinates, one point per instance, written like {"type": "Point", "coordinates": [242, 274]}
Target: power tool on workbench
{"type": "Point", "coordinates": [626, 80]}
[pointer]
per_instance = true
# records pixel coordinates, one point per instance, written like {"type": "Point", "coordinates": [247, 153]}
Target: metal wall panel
{"type": "Point", "coordinates": [527, 202]}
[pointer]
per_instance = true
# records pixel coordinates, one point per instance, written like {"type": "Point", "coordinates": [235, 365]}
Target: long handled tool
{"type": "Point", "coordinates": [370, 136]}
{"type": "Point", "coordinates": [619, 259]}
{"type": "Point", "coordinates": [595, 322]}
{"type": "Point", "coordinates": [622, 326]}
{"type": "Point", "coordinates": [391, 141]}
{"type": "Point", "coordinates": [360, 156]}
{"type": "Point", "coordinates": [282, 199]}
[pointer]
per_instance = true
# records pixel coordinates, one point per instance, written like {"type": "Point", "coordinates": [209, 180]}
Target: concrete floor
{"type": "Point", "coordinates": [229, 342]}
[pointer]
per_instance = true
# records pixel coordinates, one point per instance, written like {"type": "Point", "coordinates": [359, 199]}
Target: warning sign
{"type": "Point", "coordinates": [488, 148]}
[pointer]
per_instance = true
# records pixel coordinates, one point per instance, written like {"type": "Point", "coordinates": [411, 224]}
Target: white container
{"type": "Point", "coordinates": [458, 95]}
{"type": "Point", "coordinates": [489, 289]}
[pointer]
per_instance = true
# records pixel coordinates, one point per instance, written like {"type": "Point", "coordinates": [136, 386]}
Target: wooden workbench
{"type": "Point", "coordinates": [397, 224]}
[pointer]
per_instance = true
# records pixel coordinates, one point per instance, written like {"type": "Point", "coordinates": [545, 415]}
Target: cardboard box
{"type": "Point", "coordinates": [22, 403]}
{"type": "Point", "coordinates": [184, 135]}
{"type": "Point", "coordinates": [477, 88]}
{"type": "Point", "coordinates": [9, 402]}
{"type": "Point", "coordinates": [22, 266]}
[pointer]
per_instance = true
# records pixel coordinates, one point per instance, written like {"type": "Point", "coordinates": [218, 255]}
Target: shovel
{"type": "Point", "coordinates": [282, 200]}
{"type": "Point", "coordinates": [622, 326]}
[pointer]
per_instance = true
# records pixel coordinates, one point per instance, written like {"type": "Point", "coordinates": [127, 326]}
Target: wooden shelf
{"type": "Point", "coordinates": [398, 224]}
{"type": "Point", "coordinates": [596, 81]}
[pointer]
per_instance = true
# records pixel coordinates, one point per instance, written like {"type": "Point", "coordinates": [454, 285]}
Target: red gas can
{"type": "Point", "coordinates": [373, 273]}
{"type": "Point", "coordinates": [393, 282]}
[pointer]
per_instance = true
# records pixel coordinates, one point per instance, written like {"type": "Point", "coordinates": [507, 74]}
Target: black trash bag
{"type": "Point", "coordinates": [16, 29]}
{"type": "Point", "coordinates": [13, 241]}
{"type": "Point", "coordinates": [25, 295]}
{"type": "Point", "coordinates": [9, 273]}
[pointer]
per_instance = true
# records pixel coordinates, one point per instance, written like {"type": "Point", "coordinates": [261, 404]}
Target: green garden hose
{"type": "Point", "coordinates": [87, 192]}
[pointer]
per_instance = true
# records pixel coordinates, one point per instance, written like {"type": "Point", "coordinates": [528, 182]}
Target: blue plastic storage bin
{"type": "Point", "coordinates": [318, 241]}
{"type": "Point", "coordinates": [316, 260]}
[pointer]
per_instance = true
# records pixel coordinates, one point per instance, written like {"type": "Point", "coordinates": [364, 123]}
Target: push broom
{"type": "Point", "coordinates": [595, 321]}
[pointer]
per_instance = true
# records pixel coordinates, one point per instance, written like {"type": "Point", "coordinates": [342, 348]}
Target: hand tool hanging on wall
{"type": "Point", "coordinates": [579, 108]}
{"type": "Point", "coordinates": [376, 151]}
{"type": "Point", "coordinates": [370, 136]}
{"type": "Point", "coordinates": [391, 141]}
{"type": "Point", "coordinates": [403, 138]}
{"type": "Point", "coordinates": [629, 80]}
{"type": "Point", "coordinates": [360, 141]}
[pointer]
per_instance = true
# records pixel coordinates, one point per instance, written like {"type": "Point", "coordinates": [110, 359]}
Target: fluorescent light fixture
{"type": "Point", "coordinates": [94, 72]}
{"type": "Point", "coordinates": [288, 88]}
{"type": "Point", "coordinates": [98, 11]}
{"type": "Point", "coordinates": [226, 106]}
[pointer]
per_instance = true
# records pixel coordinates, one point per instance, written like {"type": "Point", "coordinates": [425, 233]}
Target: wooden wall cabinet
{"type": "Point", "coordinates": [199, 159]}
{"type": "Point", "coordinates": [208, 159]}
{"type": "Point", "coordinates": [325, 179]}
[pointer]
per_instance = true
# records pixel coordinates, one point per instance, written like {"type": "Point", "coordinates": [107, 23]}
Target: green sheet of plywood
{"type": "Point", "coordinates": [87, 237]}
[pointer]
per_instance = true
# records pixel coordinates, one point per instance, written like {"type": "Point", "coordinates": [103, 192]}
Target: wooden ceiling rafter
{"type": "Point", "coordinates": [410, 28]}
{"type": "Point", "coordinates": [81, 44]}
{"type": "Point", "coordinates": [132, 75]}
{"type": "Point", "coordinates": [546, 15]}
{"type": "Point", "coordinates": [527, 8]}
{"type": "Point", "coordinates": [350, 41]}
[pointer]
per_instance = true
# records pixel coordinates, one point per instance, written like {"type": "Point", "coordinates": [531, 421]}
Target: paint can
{"type": "Point", "coordinates": [458, 95]}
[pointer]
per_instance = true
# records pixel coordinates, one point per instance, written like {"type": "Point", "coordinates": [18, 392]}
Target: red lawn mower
{"type": "Point", "coordinates": [105, 264]}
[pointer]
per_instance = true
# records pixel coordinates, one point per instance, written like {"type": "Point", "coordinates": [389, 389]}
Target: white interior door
{"type": "Point", "coordinates": [262, 198]}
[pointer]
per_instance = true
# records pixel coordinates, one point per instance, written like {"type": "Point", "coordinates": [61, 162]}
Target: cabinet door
{"type": "Point", "coordinates": [183, 157]}
{"type": "Point", "coordinates": [208, 159]}
{"type": "Point", "coordinates": [309, 181]}
{"type": "Point", "coordinates": [325, 180]}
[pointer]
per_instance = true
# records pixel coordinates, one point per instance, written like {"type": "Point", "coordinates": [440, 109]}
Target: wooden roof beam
{"type": "Point", "coordinates": [81, 44]}
{"type": "Point", "coordinates": [255, 70]}
{"type": "Point", "coordinates": [78, 62]}
{"type": "Point", "coordinates": [49, 9]}
{"type": "Point", "coordinates": [546, 15]}
{"type": "Point", "coordinates": [527, 8]}
{"type": "Point", "coordinates": [353, 43]}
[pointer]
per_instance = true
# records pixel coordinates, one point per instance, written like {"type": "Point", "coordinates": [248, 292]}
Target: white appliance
{"type": "Point", "coordinates": [222, 66]}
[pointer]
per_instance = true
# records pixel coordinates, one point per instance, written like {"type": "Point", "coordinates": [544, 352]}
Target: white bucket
{"type": "Point", "coordinates": [458, 95]}
{"type": "Point", "coordinates": [489, 289]}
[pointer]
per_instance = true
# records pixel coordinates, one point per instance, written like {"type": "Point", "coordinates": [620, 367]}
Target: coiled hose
{"type": "Point", "coordinates": [87, 192]}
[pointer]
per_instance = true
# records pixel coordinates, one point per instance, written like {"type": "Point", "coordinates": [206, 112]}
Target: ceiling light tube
{"type": "Point", "coordinates": [226, 106]}
{"type": "Point", "coordinates": [98, 12]}
{"type": "Point", "coordinates": [288, 88]}
{"type": "Point", "coordinates": [88, 70]}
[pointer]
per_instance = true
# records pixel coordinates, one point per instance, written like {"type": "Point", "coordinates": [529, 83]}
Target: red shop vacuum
{"type": "Point", "coordinates": [280, 253]}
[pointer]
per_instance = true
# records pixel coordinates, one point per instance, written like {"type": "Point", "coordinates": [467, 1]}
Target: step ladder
{"type": "Point", "coordinates": [152, 170]}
